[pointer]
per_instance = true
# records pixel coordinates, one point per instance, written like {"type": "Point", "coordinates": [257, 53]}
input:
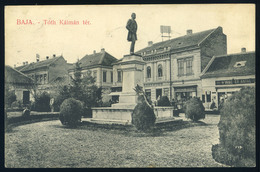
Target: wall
{"type": "Point", "coordinates": [196, 65]}
{"type": "Point", "coordinates": [215, 44]}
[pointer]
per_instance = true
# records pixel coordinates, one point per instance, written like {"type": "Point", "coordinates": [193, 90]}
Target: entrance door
{"type": "Point", "coordinates": [26, 97]}
{"type": "Point", "coordinates": [158, 93]}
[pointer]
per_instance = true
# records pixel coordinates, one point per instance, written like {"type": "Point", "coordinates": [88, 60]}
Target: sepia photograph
{"type": "Point", "coordinates": [130, 86]}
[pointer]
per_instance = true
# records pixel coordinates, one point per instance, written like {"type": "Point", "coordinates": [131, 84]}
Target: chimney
{"type": "Point", "coordinates": [54, 55]}
{"type": "Point", "coordinates": [243, 50]}
{"type": "Point", "coordinates": [24, 63]}
{"type": "Point", "coordinates": [102, 50]}
{"type": "Point", "coordinates": [47, 57]}
{"type": "Point", "coordinates": [37, 57]}
{"type": "Point", "coordinates": [94, 52]}
{"type": "Point", "coordinates": [15, 66]}
{"type": "Point", "coordinates": [150, 43]}
{"type": "Point", "coordinates": [189, 32]}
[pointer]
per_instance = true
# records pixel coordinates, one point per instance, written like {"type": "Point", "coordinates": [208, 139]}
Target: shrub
{"type": "Point", "coordinates": [71, 111]}
{"type": "Point", "coordinates": [237, 124]}
{"type": "Point", "coordinates": [143, 117]}
{"type": "Point", "coordinates": [10, 97]}
{"type": "Point", "coordinates": [42, 102]}
{"type": "Point", "coordinates": [17, 104]}
{"type": "Point", "coordinates": [194, 109]}
{"type": "Point", "coordinates": [163, 101]}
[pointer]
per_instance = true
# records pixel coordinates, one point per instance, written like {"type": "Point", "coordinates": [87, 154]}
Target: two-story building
{"type": "Point", "coordinates": [99, 65]}
{"type": "Point", "coordinates": [47, 73]}
{"type": "Point", "coordinates": [173, 67]}
{"type": "Point", "coordinates": [227, 74]}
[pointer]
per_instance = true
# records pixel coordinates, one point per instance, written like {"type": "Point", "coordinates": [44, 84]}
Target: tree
{"type": "Point", "coordinates": [10, 96]}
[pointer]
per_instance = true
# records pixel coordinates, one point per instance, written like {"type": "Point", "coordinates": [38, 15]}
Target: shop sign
{"type": "Point", "coordinates": [235, 81]}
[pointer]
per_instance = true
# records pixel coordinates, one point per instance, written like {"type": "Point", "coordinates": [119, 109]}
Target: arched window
{"type": "Point", "coordinates": [148, 72]}
{"type": "Point", "coordinates": [160, 73]}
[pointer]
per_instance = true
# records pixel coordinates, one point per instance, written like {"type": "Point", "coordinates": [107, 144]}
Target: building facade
{"type": "Point", "coordinates": [173, 67]}
{"type": "Point", "coordinates": [20, 83]}
{"type": "Point", "coordinates": [225, 75]}
{"type": "Point", "coordinates": [98, 65]}
{"type": "Point", "coordinates": [47, 73]}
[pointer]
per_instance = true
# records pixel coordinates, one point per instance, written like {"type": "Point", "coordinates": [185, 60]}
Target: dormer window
{"type": "Point", "coordinates": [240, 64]}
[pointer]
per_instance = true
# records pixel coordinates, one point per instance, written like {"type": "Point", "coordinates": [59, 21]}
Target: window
{"type": "Point", "coordinates": [208, 96]}
{"type": "Point", "coordinates": [104, 76]}
{"type": "Point", "coordinates": [180, 67]}
{"type": "Point", "coordinates": [189, 66]}
{"type": "Point", "coordinates": [40, 78]}
{"type": "Point", "coordinates": [148, 72]}
{"type": "Point", "coordinates": [185, 66]}
{"type": "Point", "coordinates": [119, 76]}
{"type": "Point", "coordinates": [160, 74]}
{"type": "Point", "coordinates": [203, 98]}
{"type": "Point", "coordinates": [95, 74]}
{"type": "Point", "coordinates": [111, 74]}
{"type": "Point", "coordinates": [45, 78]}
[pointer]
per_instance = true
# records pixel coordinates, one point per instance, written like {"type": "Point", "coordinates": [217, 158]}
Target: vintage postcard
{"type": "Point", "coordinates": [97, 86]}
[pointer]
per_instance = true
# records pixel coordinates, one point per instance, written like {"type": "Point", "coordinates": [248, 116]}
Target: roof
{"type": "Point", "coordinates": [38, 64]}
{"type": "Point", "coordinates": [240, 64]}
{"type": "Point", "coordinates": [182, 42]}
{"type": "Point", "coordinates": [15, 77]}
{"type": "Point", "coordinates": [102, 58]}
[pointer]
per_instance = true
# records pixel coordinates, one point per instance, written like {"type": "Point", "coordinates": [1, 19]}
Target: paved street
{"type": "Point", "coordinates": [49, 144]}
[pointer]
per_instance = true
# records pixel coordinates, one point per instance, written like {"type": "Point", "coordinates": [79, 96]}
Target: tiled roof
{"type": "Point", "coordinates": [39, 64]}
{"type": "Point", "coordinates": [101, 58]}
{"type": "Point", "coordinates": [182, 42]}
{"type": "Point", "coordinates": [231, 65]}
{"type": "Point", "coordinates": [13, 76]}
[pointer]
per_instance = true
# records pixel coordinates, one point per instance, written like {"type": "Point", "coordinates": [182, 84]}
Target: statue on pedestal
{"type": "Point", "coordinates": [131, 26]}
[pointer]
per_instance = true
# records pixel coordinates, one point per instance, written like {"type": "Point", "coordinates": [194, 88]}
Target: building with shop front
{"type": "Point", "coordinates": [47, 73]}
{"type": "Point", "coordinates": [98, 65]}
{"type": "Point", "coordinates": [20, 83]}
{"type": "Point", "coordinates": [225, 75]}
{"type": "Point", "coordinates": [173, 67]}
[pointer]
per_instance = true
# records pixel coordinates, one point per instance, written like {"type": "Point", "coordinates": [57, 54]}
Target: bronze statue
{"type": "Point", "coordinates": [131, 26]}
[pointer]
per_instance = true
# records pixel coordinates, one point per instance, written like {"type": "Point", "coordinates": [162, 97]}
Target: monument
{"type": "Point", "coordinates": [132, 66]}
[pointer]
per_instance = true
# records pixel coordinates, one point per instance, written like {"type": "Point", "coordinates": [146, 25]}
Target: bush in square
{"type": "Point", "coordinates": [143, 117]}
{"type": "Point", "coordinates": [194, 109]}
{"type": "Point", "coordinates": [164, 101]}
{"type": "Point", "coordinates": [71, 112]}
{"type": "Point", "coordinates": [237, 129]}
{"type": "Point", "coordinates": [42, 102]}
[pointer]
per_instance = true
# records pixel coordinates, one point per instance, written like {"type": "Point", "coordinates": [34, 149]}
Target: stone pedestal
{"type": "Point", "coordinates": [132, 67]}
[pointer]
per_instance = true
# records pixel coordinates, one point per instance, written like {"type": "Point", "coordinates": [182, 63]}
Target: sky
{"type": "Point", "coordinates": [105, 28]}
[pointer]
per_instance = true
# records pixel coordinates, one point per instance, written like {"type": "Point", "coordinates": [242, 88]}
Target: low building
{"type": "Point", "coordinates": [225, 75]}
{"type": "Point", "coordinates": [47, 73]}
{"type": "Point", "coordinates": [20, 83]}
{"type": "Point", "coordinates": [173, 67]}
{"type": "Point", "coordinates": [99, 65]}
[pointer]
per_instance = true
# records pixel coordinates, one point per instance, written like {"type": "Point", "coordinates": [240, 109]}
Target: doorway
{"type": "Point", "coordinates": [26, 97]}
{"type": "Point", "coordinates": [158, 93]}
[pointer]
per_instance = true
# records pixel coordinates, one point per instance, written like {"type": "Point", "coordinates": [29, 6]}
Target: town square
{"type": "Point", "coordinates": [154, 87]}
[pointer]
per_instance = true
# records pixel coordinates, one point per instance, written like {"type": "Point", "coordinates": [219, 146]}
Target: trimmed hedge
{"type": "Point", "coordinates": [194, 109]}
{"type": "Point", "coordinates": [143, 117]}
{"type": "Point", "coordinates": [71, 111]}
{"type": "Point", "coordinates": [237, 128]}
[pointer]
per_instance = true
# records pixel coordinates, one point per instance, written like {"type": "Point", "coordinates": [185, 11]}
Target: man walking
{"type": "Point", "coordinates": [131, 26]}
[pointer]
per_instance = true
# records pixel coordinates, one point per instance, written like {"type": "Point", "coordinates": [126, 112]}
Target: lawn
{"type": "Point", "coordinates": [49, 144]}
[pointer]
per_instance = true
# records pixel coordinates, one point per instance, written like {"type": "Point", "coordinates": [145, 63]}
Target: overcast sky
{"type": "Point", "coordinates": [107, 28]}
